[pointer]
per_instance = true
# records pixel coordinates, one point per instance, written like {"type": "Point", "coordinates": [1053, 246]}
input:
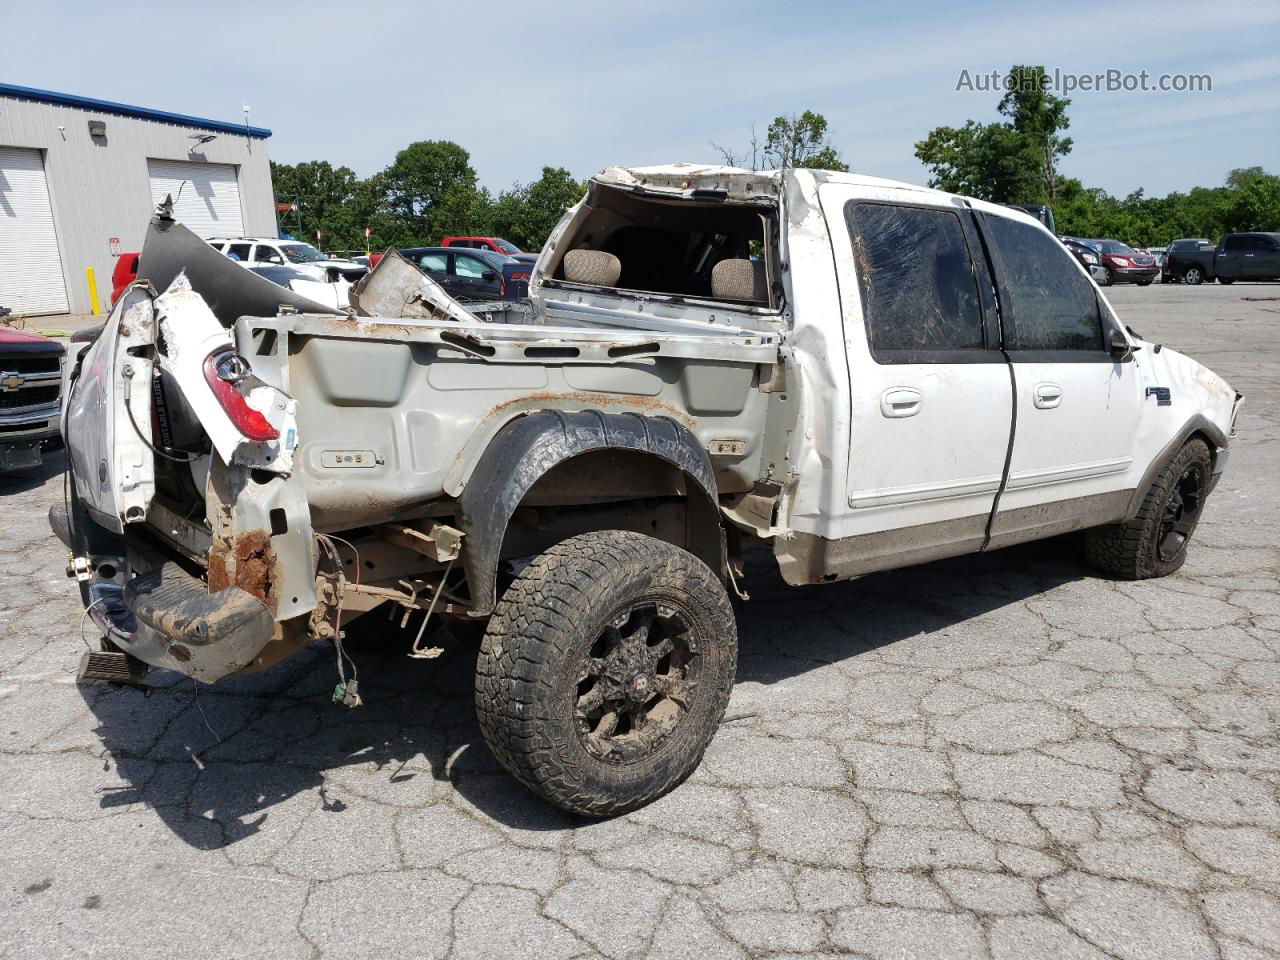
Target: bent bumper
{"type": "Point", "coordinates": [166, 617]}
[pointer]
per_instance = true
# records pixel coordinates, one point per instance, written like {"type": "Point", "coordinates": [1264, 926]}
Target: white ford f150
{"type": "Point", "coordinates": [856, 373]}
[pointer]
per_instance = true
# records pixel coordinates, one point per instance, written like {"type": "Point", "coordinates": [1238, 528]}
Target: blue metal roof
{"type": "Point", "coordinates": [125, 110]}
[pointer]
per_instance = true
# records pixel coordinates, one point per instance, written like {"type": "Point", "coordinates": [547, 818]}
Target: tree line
{"type": "Point", "coordinates": [430, 189]}
{"type": "Point", "coordinates": [428, 192]}
{"type": "Point", "coordinates": [1015, 160]}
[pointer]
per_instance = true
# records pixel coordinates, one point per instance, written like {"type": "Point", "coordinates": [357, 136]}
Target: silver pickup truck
{"type": "Point", "coordinates": [855, 373]}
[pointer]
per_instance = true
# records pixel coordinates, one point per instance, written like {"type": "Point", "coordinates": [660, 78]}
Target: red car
{"type": "Point", "coordinates": [125, 273]}
{"type": "Point", "coordinates": [496, 244]}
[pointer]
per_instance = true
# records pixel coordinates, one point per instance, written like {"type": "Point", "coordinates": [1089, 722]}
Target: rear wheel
{"type": "Point", "coordinates": [1154, 542]}
{"type": "Point", "coordinates": [605, 671]}
{"type": "Point", "coordinates": [1193, 276]}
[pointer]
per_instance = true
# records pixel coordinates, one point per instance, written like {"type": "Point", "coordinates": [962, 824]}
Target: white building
{"type": "Point", "coordinates": [79, 179]}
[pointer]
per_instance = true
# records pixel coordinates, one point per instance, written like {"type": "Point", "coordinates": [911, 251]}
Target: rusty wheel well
{"type": "Point", "coordinates": [617, 489]}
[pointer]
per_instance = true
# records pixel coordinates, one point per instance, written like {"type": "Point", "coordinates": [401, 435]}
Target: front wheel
{"type": "Point", "coordinates": [1154, 542]}
{"type": "Point", "coordinates": [1193, 276]}
{"type": "Point", "coordinates": [1111, 278]}
{"type": "Point", "coordinates": [605, 671]}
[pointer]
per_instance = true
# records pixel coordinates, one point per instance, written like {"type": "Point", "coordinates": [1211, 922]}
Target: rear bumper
{"type": "Point", "coordinates": [167, 617]}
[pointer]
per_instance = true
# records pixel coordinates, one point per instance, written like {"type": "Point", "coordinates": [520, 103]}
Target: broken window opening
{"type": "Point", "coordinates": [684, 248]}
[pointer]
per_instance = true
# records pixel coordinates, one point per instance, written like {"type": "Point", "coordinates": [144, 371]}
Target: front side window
{"type": "Point", "coordinates": [1047, 303]}
{"type": "Point", "coordinates": [917, 279]}
{"type": "Point", "coordinates": [472, 267]}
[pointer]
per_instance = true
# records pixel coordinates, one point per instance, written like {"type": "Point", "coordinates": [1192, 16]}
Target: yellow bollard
{"type": "Point", "coordinates": [93, 292]}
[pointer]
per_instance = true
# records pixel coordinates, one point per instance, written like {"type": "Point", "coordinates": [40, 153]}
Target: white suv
{"type": "Point", "coordinates": [256, 251]}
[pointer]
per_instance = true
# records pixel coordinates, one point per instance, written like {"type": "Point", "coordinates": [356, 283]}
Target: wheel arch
{"type": "Point", "coordinates": [1200, 427]}
{"type": "Point", "coordinates": [532, 447]}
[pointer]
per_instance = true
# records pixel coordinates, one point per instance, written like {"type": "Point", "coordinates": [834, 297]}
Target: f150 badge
{"type": "Point", "coordinates": [1163, 398]}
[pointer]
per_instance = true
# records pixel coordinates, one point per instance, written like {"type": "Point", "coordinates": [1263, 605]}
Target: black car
{"type": "Point", "coordinates": [468, 274]}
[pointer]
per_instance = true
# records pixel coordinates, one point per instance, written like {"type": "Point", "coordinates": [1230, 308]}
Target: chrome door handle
{"type": "Point", "coordinates": [899, 402]}
{"type": "Point", "coordinates": [1047, 396]}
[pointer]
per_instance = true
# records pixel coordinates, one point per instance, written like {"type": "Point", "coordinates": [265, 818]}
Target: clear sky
{"type": "Point", "coordinates": [522, 85]}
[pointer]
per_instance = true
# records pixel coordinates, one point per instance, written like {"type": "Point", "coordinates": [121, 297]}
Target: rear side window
{"type": "Point", "coordinates": [916, 276]}
{"type": "Point", "coordinates": [436, 262]}
{"type": "Point", "coordinates": [239, 250]}
{"type": "Point", "coordinates": [1047, 302]}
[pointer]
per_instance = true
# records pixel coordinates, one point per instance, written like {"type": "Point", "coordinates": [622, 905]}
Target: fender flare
{"type": "Point", "coordinates": [1197, 424]}
{"type": "Point", "coordinates": [529, 446]}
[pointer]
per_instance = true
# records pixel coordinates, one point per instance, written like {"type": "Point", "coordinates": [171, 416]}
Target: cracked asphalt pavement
{"type": "Point", "coordinates": [1004, 756]}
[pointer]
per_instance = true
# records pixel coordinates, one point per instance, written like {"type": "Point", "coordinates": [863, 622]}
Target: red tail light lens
{"type": "Point", "coordinates": [223, 370]}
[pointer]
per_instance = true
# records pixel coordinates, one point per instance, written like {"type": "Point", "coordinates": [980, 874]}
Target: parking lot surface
{"type": "Point", "coordinates": [1003, 756]}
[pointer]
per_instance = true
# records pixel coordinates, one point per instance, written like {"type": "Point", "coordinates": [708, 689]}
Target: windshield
{"type": "Point", "coordinates": [505, 247]}
{"type": "Point", "coordinates": [1115, 246]}
{"type": "Point", "coordinates": [301, 253]}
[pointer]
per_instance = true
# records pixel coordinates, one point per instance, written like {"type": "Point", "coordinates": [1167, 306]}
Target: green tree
{"type": "Point", "coordinates": [526, 214]}
{"type": "Point", "coordinates": [323, 197]}
{"type": "Point", "coordinates": [1009, 161]}
{"type": "Point", "coordinates": [420, 181]}
{"type": "Point", "coordinates": [792, 141]}
{"type": "Point", "coordinates": [990, 161]}
{"type": "Point", "coordinates": [1037, 116]}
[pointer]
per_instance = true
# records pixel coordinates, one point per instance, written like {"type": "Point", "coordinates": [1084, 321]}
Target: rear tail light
{"type": "Point", "coordinates": [223, 371]}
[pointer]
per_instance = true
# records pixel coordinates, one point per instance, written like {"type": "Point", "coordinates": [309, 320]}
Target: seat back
{"type": "Point", "coordinates": [594, 267]}
{"type": "Point", "coordinates": [739, 280]}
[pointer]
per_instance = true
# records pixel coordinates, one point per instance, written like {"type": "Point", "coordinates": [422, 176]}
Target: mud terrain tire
{"type": "Point", "coordinates": [605, 671]}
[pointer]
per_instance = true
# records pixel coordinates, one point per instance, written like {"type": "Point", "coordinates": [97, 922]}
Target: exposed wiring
{"type": "Point", "coordinates": [185, 458]}
{"type": "Point", "coordinates": [343, 658]}
{"type": "Point", "coordinates": [84, 616]}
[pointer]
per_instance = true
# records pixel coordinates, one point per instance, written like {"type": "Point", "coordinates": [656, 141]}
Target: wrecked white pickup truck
{"type": "Point", "coordinates": [857, 373]}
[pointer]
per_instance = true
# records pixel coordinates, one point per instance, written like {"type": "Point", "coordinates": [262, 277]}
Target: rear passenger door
{"type": "Point", "coordinates": [930, 391]}
{"type": "Point", "coordinates": [1077, 406]}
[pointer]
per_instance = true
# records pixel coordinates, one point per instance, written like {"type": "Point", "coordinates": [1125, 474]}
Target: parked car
{"type": "Point", "coordinates": [494, 244]}
{"type": "Point", "coordinates": [577, 482]}
{"type": "Point", "coordinates": [1192, 256]}
{"type": "Point", "coordinates": [471, 274]}
{"type": "Point", "coordinates": [1247, 256]}
{"type": "Point", "coordinates": [123, 274]}
{"type": "Point", "coordinates": [256, 251]}
{"type": "Point", "coordinates": [1237, 256]}
{"type": "Point", "coordinates": [1087, 254]}
{"type": "Point", "coordinates": [1124, 264]}
{"type": "Point", "coordinates": [30, 394]}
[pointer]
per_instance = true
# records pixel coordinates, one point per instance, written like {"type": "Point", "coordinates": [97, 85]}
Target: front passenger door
{"type": "Point", "coordinates": [1078, 406]}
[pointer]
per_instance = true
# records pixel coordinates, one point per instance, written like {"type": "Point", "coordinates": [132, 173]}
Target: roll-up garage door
{"type": "Point", "coordinates": [206, 196]}
{"type": "Point", "coordinates": [31, 279]}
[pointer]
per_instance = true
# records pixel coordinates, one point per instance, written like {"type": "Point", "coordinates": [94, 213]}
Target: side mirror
{"type": "Point", "coordinates": [488, 276]}
{"type": "Point", "coordinates": [1119, 347]}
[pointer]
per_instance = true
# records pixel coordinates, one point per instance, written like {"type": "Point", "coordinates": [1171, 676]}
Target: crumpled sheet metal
{"type": "Point", "coordinates": [226, 287]}
{"type": "Point", "coordinates": [395, 288]}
